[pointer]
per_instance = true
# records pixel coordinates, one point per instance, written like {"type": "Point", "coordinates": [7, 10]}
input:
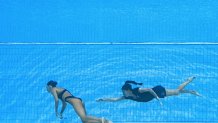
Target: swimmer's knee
{"type": "Point", "coordinates": [177, 92]}
{"type": "Point", "coordinates": [84, 119]}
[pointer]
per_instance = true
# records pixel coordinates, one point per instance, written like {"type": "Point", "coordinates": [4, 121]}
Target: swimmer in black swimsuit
{"type": "Point", "coordinates": [65, 96]}
{"type": "Point", "coordinates": [147, 94]}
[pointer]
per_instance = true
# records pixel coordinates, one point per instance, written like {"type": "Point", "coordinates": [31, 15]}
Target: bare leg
{"type": "Point", "coordinates": [182, 86]}
{"type": "Point", "coordinates": [190, 92]}
{"type": "Point", "coordinates": [80, 110]}
{"type": "Point", "coordinates": [176, 92]}
{"type": "Point", "coordinates": [170, 92]}
{"type": "Point", "coordinates": [180, 89]}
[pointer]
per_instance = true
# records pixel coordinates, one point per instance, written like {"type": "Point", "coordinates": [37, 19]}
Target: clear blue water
{"type": "Point", "coordinates": [108, 21]}
{"type": "Point", "coordinates": [94, 71]}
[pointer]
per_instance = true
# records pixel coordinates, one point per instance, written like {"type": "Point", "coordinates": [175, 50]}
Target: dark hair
{"type": "Point", "coordinates": [52, 83]}
{"type": "Point", "coordinates": [133, 82]}
{"type": "Point", "coordinates": [126, 87]}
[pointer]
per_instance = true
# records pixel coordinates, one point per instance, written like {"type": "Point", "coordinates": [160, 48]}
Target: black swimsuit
{"type": "Point", "coordinates": [60, 95]}
{"type": "Point", "coordinates": [147, 96]}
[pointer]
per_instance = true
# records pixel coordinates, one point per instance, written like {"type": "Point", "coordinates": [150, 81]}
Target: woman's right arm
{"type": "Point", "coordinates": [110, 99]}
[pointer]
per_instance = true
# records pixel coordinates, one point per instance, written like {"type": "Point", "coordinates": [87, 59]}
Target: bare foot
{"type": "Point", "coordinates": [196, 93]}
{"type": "Point", "coordinates": [191, 78]}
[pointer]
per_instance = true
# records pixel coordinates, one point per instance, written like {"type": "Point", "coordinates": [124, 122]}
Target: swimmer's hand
{"type": "Point", "coordinates": [159, 101]}
{"type": "Point", "coordinates": [59, 115]}
{"type": "Point", "coordinates": [161, 104]}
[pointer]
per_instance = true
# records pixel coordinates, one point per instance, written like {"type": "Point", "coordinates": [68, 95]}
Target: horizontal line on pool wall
{"type": "Point", "coordinates": [108, 43]}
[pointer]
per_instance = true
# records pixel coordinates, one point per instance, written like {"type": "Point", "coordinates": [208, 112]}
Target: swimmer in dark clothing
{"type": "Point", "coordinates": [65, 96]}
{"type": "Point", "coordinates": [147, 94]}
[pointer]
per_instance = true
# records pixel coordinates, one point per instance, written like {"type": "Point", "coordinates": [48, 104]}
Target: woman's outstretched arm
{"type": "Point", "coordinates": [111, 99]}
{"type": "Point", "coordinates": [53, 92]}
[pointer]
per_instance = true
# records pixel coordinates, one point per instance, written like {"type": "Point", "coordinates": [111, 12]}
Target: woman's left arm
{"type": "Point", "coordinates": [142, 90]}
{"type": "Point", "coordinates": [53, 92]}
{"type": "Point", "coordinates": [64, 104]}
